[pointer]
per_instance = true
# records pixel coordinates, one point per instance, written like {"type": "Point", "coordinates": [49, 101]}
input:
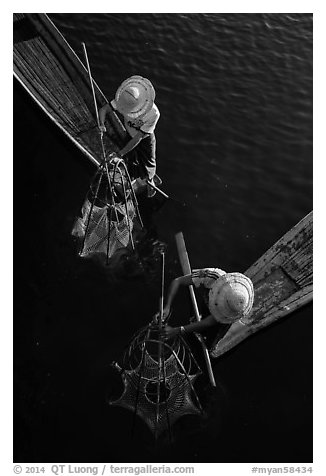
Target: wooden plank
{"type": "Point", "coordinates": [54, 76]}
{"type": "Point", "coordinates": [237, 333]}
{"type": "Point", "coordinates": [115, 127]}
{"type": "Point", "coordinates": [282, 280]}
{"type": "Point", "coordinates": [281, 250]}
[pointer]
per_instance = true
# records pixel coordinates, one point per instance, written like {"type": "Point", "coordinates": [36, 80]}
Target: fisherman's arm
{"type": "Point", "coordinates": [201, 325]}
{"type": "Point", "coordinates": [175, 285]}
{"type": "Point", "coordinates": [193, 327]}
{"type": "Point", "coordinates": [106, 109]}
{"type": "Point", "coordinates": [132, 143]}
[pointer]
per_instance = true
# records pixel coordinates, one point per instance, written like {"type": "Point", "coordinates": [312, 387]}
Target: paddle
{"type": "Point", "coordinates": [186, 269]}
{"type": "Point", "coordinates": [165, 195]}
{"type": "Point", "coordinates": [157, 189]}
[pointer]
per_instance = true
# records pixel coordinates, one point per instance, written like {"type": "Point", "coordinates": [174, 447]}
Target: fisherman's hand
{"type": "Point", "coordinates": [166, 313]}
{"type": "Point", "coordinates": [169, 332]}
{"type": "Point", "coordinates": [150, 190]}
{"type": "Point", "coordinates": [102, 128]}
{"type": "Point", "coordinates": [113, 158]}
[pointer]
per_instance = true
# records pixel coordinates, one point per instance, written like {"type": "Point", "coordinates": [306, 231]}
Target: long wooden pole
{"type": "Point", "coordinates": [157, 189]}
{"type": "Point", "coordinates": [186, 269]}
{"type": "Point", "coordinates": [92, 84]}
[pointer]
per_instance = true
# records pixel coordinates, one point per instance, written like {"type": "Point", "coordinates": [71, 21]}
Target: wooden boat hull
{"type": "Point", "coordinates": [51, 72]}
{"type": "Point", "coordinates": [283, 282]}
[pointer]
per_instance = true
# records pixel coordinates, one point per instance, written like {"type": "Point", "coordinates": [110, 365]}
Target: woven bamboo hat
{"type": "Point", "coordinates": [231, 297]}
{"type": "Point", "coordinates": [134, 97]}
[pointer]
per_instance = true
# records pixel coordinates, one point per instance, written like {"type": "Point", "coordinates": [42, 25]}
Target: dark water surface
{"type": "Point", "coordinates": [235, 144]}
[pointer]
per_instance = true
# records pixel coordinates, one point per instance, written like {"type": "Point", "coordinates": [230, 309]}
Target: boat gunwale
{"type": "Point", "coordinates": [71, 56]}
{"type": "Point", "coordinates": [62, 128]}
{"type": "Point", "coordinates": [290, 303]}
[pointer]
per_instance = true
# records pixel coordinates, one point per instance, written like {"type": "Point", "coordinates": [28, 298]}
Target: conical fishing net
{"type": "Point", "coordinates": [107, 216]}
{"type": "Point", "coordinates": [101, 228]}
{"type": "Point", "coordinates": [158, 378]}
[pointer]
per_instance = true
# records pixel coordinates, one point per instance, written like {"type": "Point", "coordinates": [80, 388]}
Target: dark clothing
{"type": "Point", "coordinates": [141, 161]}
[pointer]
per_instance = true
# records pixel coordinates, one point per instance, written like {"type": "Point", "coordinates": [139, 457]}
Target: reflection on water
{"type": "Point", "coordinates": [235, 144]}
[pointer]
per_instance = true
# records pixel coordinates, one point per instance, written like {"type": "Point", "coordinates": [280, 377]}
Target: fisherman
{"type": "Point", "coordinates": [134, 100]}
{"type": "Point", "coordinates": [228, 296]}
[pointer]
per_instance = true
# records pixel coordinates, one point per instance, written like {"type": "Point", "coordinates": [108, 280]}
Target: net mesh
{"type": "Point", "coordinates": [158, 380]}
{"type": "Point", "coordinates": [96, 227]}
{"type": "Point", "coordinates": [106, 224]}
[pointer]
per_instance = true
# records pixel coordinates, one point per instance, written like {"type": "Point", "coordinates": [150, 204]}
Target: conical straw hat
{"type": "Point", "coordinates": [231, 297]}
{"type": "Point", "coordinates": [134, 97]}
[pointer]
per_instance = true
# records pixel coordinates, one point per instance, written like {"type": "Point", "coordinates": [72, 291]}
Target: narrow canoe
{"type": "Point", "coordinates": [51, 72]}
{"type": "Point", "coordinates": [283, 282]}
